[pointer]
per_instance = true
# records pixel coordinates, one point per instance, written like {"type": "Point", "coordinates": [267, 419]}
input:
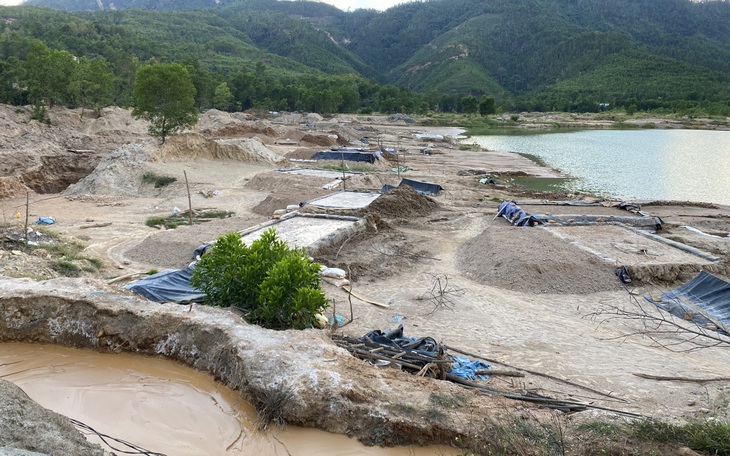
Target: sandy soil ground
{"type": "Point", "coordinates": [520, 296]}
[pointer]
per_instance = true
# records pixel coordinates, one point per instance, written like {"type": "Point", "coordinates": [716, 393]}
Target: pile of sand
{"type": "Point", "coordinates": [403, 202]}
{"type": "Point", "coordinates": [11, 186]}
{"type": "Point", "coordinates": [214, 119]}
{"type": "Point", "coordinates": [320, 140]}
{"type": "Point", "coordinates": [286, 189]}
{"type": "Point", "coordinates": [534, 261]}
{"type": "Point", "coordinates": [193, 146]}
{"type": "Point", "coordinates": [119, 173]}
{"type": "Point", "coordinates": [175, 248]}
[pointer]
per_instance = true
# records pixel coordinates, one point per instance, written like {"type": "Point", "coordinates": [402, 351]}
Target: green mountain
{"type": "Point", "coordinates": [533, 54]}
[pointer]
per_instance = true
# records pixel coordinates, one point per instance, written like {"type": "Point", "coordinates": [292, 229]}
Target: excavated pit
{"type": "Point", "coordinates": [331, 390]}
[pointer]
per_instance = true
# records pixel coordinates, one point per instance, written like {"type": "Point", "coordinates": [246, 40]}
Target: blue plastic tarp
{"type": "Point", "coordinates": [466, 368]}
{"type": "Point", "coordinates": [170, 285]}
{"type": "Point", "coordinates": [516, 215]}
{"type": "Point", "coordinates": [704, 300]}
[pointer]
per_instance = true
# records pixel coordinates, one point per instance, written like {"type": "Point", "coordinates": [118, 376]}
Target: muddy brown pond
{"type": "Point", "coordinates": [164, 406]}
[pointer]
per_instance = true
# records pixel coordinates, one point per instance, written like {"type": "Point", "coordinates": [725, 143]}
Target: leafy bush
{"type": "Point", "coordinates": [66, 268]}
{"type": "Point", "coordinates": [275, 285]}
{"type": "Point", "coordinates": [159, 181]}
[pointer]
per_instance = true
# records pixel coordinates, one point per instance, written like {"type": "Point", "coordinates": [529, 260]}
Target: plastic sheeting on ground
{"type": "Point", "coordinates": [170, 285]}
{"type": "Point", "coordinates": [364, 157]}
{"type": "Point", "coordinates": [463, 367]}
{"type": "Point", "coordinates": [704, 300]}
{"type": "Point", "coordinates": [516, 215]}
{"type": "Point", "coordinates": [424, 188]}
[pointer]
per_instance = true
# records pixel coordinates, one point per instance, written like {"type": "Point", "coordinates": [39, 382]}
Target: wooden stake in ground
{"type": "Point", "coordinates": [190, 201]}
{"type": "Point", "coordinates": [27, 213]}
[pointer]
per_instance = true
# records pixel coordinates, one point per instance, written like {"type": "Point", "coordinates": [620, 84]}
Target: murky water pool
{"type": "Point", "coordinates": [163, 406]}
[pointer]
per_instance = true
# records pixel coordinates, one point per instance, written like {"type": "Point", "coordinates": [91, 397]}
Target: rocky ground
{"type": "Point", "coordinates": [520, 297]}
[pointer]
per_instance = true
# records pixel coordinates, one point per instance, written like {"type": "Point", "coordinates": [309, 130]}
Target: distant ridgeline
{"type": "Point", "coordinates": [473, 56]}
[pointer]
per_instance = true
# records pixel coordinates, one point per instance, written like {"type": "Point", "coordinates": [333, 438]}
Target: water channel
{"type": "Point", "coordinates": [681, 165]}
{"type": "Point", "coordinates": [163, 406]}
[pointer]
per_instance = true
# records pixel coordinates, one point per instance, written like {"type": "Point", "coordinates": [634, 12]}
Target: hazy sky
{"type": "Point", "coordinates": [341, 4]}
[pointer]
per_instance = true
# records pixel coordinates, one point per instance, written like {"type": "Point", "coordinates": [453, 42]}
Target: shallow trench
{"type": "Point", "coordinates": [331, 390]}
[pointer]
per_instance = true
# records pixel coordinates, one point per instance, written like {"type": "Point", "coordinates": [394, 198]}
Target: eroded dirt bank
{"type": "Point", "coordinates": [331, 390]}
{"type": "Point", "coordinates": [515, 294]}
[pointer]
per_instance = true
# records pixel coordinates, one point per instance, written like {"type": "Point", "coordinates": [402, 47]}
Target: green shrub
{"type": "Point", "coordinates": [66, 268]}
{"type": "Point", "coordinates": [275, 285]}
{"type": "Point", "coordinates": [151, 177]}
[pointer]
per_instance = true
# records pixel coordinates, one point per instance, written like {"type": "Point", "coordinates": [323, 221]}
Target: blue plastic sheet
{"type": "Point", "coordinates": [516, 215]}
{"type": "Point", "coordinates": [465, 368]}
{"type": "Point", "coordinates": [45, 221]}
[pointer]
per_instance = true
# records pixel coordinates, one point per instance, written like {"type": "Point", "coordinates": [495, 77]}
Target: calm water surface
{"type": "Point", "coordinates": [692, 165]}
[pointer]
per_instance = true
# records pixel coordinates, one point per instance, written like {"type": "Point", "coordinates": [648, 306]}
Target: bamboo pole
{"type": "Point", "coordinates": [27, 214]}
{"type": "Point", "coordinates": [190, 201]}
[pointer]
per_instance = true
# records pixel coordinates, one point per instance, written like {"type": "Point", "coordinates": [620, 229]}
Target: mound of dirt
{"type": "Point", "coordinates": [534, 261]}
{"type": "Point", "coordinates": [175, 248]}
{"type": "Point", "coordinates": [119, 173]}
{"type": "Point", "coordinates": [319, 140]}
{"type": "Point", "coordinates": [11, 186]}
{"type": "Point", "coordinates": [26, 425]}
{"type": "Point", "coordinates": [213, 119]}
{"type": "Point", "coordinates": [285, 183]}
{"type": "Point", "coordinates": [193, 146]}
{"type": "Point", "coordinates": [242, 129]}
{"type": "Point", "coordinates": [403, 202]}
{"type": "Point", "coordinates": [275, 202]}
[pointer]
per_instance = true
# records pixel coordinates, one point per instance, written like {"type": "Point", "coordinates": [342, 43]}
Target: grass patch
{"type": "Point", "coordinates": [183, 218]}
{"type": "Point", "coordinates": [66, 268]}
{"type": "Point", "coordinates": [271, 406]}
{"type": "Point", "coordinates": [710, 436]}
{"type": "Point", "coordinates": [157, 180]}
{"type": "Point", "coordinates": [600, 428]}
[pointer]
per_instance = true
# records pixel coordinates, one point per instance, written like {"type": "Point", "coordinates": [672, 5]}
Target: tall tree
{"type": "Point", "coordinates": [487, 106]}
{"type": "Point", "coordinates": [50, 75]}
{"type": "Point", "coordinates": [165, 96]}
{"type": "Point", "coordinates": [223, 97]}
{"type": "Point", "coordinates": [95, 83]}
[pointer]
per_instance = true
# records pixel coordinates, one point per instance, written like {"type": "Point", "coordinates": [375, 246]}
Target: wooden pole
{"type": "Point", "coordinates": [27, 214]}
{"type": "Point", "coordinates": [190, 201]}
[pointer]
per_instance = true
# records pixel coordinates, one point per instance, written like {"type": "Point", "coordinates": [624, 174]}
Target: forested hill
{"type": "Point", "coordinates": [533, 54]}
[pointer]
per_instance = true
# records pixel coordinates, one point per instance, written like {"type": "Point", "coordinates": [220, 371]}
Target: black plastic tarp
{"type": "Point", "coordinates": [423, 188]}
{"type": "Point", "coordinates": [704, 300]}
{"type": "Point", "coordinates": [365, 157]}
{"type": "Point", "coordinates": [170, 285]}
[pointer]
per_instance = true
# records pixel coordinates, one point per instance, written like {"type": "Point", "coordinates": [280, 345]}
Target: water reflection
{"type": "Point", "coordinates": [691, 165]}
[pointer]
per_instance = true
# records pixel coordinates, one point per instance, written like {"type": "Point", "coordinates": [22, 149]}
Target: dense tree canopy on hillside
{"type": "Point", "coordinates": [419, 56]}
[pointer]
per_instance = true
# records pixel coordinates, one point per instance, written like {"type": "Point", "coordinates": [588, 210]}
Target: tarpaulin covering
{"type": "Point", "coordinates": [516, 215]}
{"type": "Point", "coordinates": [170, 285]}
{"type": "Point", "coordinates": [365, 157]}
{"type": "Point", "coordinates": [423, 188]}
{"type": "Point", "coordinates": [704, 300]}
{"type": "Point", "coordinates": [462, 367]}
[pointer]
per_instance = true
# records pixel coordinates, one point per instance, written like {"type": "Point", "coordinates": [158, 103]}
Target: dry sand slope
{"type": "Point", "coordinates": [521, 296]}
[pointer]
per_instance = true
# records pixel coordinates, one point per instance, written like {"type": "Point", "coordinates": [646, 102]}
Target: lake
{"type": "Point", "coordinates": [682, 165]}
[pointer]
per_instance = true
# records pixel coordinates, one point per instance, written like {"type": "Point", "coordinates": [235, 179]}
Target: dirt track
{"type": "Point", "coordinates": [516, 295]}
